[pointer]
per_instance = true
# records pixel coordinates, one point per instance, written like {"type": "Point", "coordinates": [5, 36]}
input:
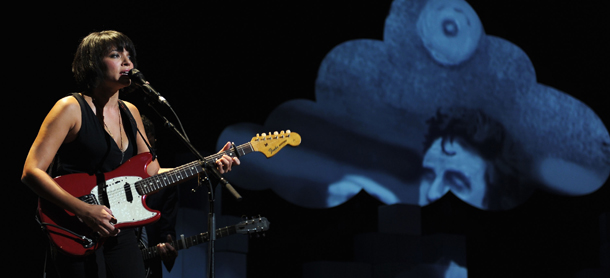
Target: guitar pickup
{"type": "Point", "coordinates": [89, 199]}
{"type": "Point", "coordinates": [128, 194]}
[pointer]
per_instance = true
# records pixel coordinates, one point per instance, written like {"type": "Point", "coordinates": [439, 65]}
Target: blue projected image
{"type": "Point", "coordinates": [438, 106]}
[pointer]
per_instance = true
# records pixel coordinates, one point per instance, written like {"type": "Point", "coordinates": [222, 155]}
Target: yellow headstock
{"type": "Point", "coordinates": [270, 144]}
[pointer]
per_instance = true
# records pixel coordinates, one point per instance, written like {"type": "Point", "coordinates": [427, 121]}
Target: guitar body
{"type": "Point", "coordinates": [121, 196]}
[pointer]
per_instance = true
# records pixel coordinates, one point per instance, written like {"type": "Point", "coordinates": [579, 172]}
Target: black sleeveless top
{"type": "Point", "coordinates": [94, 150]}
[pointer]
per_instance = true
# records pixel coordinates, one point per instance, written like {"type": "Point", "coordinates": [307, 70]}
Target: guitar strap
{"type": "Point", "coordinates": [134, 125]}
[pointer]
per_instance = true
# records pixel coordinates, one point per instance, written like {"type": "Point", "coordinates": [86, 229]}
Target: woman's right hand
{"type": "Point", "coordinates": [99, 219]}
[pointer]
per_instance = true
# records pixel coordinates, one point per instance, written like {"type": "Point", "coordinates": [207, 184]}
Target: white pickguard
{"type": "Point", "coordinates": [123, 210]}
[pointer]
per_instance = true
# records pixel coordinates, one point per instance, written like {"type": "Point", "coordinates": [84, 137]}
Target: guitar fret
{"type": "Point", "coordinates": [221, 231]}
{"type": "Point", "coordinates": [249, 151]}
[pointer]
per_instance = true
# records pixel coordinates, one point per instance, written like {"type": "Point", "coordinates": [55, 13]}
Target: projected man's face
{"type": "Point", "coordinates": [456, 167]}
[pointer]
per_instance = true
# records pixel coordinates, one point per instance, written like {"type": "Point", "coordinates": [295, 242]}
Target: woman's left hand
{"type": "Point", "coordinates": [226, 162]}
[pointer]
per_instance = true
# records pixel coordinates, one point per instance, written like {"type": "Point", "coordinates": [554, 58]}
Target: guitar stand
{"type": "Point", "coordinates": [209, 169]}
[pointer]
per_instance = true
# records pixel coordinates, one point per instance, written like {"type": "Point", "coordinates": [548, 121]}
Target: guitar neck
{"type": "Point", "coordinates": [187, 242]}
{"type": "Point", "coordinates": [186, 171]}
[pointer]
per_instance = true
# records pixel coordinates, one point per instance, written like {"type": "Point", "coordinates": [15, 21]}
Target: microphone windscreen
{"type": "Point", "coordinates": [137, 76]}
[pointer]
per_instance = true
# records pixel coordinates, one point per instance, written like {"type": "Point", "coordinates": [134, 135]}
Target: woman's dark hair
{"type": "Point", "coordinates": [489, 139]}
{"type": "Point", "coordinates": [87, 65]}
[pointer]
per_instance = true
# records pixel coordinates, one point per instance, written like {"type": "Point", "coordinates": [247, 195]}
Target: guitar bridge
{"type": "Point", "coordinates": [89, 199]}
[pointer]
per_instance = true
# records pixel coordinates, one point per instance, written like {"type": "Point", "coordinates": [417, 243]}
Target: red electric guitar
{"type": "Point", "coordinates": [124, 191]}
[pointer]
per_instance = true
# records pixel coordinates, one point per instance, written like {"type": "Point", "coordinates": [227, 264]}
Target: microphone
{"type": "Point", "coordinates": [138, 78]}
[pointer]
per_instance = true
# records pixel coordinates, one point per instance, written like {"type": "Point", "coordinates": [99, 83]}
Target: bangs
{"type": "Point", "coordinates": [116, 41]}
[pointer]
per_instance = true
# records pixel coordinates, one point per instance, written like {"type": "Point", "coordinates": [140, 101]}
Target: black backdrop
{"type": "Point", "coordinates": [221, 63]}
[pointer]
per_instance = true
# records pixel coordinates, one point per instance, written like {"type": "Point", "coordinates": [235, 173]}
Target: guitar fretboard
{"type": "Point", "coordinates": [151, 252]}
{"type": "Point", "coordinates": [187, 171]}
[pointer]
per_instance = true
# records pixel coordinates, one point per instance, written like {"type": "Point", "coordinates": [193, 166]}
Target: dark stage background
{"type": "Point", "coordinates": [220, 63]}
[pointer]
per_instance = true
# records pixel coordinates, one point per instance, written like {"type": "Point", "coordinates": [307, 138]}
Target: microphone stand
{"type": "Point", "coordinates": [208, 168]}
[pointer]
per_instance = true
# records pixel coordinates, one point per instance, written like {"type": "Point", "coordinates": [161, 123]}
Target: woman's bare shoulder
{"type": "Point", "coordinates": [66, 110]}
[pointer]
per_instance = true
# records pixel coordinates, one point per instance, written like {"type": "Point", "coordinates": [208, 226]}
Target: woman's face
{"type": "Point", "coordinates": [118, 64]}
{"type": "Point", "coordinates": [456, 168]}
